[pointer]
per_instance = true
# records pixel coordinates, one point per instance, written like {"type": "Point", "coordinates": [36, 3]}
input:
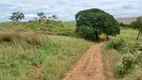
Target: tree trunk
{"type": "Point", "coordinates": [107, 36]}
{"type": "Point", "coordinates": [138, 35]}
{"type": "Point", "coordinates": [96, 36]}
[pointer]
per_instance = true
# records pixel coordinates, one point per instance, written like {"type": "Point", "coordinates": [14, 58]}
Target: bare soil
{"type": "Point", "coordinates": [89, 67]}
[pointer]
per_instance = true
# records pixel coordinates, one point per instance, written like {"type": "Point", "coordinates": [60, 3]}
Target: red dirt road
{"type": "Point", "coordinates": [89, 67]}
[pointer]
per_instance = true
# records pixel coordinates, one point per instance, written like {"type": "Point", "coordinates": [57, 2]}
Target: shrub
{"type": "Point", "coordinates": [117, 44]}
{"type": "Point", "coordinates": [138, 57]}
{"type": "Point", "coordinates": [132, 48]}
{"type": "Point", "coordinates": [127, 62]}
{"type": "Point", "coordinates": [121, 70]}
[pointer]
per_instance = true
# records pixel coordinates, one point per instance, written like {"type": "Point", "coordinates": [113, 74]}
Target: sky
{"type": "Point", "coordinates": [66, 9]}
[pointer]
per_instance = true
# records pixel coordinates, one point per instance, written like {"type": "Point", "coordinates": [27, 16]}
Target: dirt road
{"type": "Point", "coordinates": [89, 67]}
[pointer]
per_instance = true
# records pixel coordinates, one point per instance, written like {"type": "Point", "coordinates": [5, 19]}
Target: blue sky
{"type": "Point", "coordinates": [66, 9]}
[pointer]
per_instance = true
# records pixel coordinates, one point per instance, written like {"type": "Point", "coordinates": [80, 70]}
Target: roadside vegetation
{"type": "Point", "coordinates": [123, 54]}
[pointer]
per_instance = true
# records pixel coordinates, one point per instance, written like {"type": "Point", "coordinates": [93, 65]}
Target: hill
{"type": "Point", "coordinates": [126, 20]}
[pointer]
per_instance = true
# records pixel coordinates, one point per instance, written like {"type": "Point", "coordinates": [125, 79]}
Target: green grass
{"type": "Point", "coordinates": [128, 34]}
{"type": "Point", "coordinates": [51, 27]}
{"type": "Point", "coordinates": [51, 61]}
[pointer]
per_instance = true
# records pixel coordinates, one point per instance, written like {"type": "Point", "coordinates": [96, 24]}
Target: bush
{"type": "Point", "coordinates": [132, 48]}
{"type": "Point", "coordinates": [138, 57]}
{"type": "Point", "coordinates": [117, 44]}
{"type": "Point", "coordinates": [121, 70]}
{"type": "Point", "coordinates": [127, 62]}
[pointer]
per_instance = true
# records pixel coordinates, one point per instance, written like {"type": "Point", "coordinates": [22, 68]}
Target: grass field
{"type": "Point", "coordinates": [28, 53]}
{"type": "Point", "coordinates": [128, 34]}
{"type": "Point", "coordinates": [50, 62]}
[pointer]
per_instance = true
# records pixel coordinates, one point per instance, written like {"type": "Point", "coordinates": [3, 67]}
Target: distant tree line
{"type": "Point", "coordinates": [121, 24]}
{"type": "Point", "coordinates": [50, 24]}
{"type": "Point", "coordinates": [19, 16]}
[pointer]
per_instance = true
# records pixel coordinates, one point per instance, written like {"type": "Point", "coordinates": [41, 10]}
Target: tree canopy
{"type": "Point", "coordinates": [41, 16]}
{"type": "Point", "coordinates": [93, 22]}
{"type": "Point", "coordinates": [137, 25]}
{"type": "Point", "coordinates": [17, 16]}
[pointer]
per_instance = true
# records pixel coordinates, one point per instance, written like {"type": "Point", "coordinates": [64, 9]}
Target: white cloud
{"type": "Point", "coordinates": [30, 15]}
{"type": "Point", "coordinates": [66, 9]}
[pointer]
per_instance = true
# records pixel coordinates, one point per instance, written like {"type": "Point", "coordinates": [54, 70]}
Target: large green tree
{"type": "Point", "coordinates": [17, 16]}
{"type": "Point", "coordinates": [93, 22]}
{"type": "Point", "coordinates": [137, 25]}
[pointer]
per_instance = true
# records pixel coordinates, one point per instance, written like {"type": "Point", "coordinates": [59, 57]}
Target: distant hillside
{"type": "Point", "coordinates": [126, 20]}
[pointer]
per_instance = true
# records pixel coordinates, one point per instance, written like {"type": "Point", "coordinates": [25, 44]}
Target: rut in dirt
{"type": "Point", "coordinates": [89, 67]}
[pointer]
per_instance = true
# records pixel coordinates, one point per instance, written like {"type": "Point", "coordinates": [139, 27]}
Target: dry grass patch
{"type": "Point", "coordinates": [33, 38]}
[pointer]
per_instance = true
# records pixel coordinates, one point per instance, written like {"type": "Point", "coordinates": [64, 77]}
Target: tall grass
{"type": "Point", "coordinates": [48, 27]}
{"type": "Point", "coordinates": [110, 59]}
{"type": "Point", "coordinates": [61, 55]}
{"type": "Point", "coordinates": [34, 56]}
